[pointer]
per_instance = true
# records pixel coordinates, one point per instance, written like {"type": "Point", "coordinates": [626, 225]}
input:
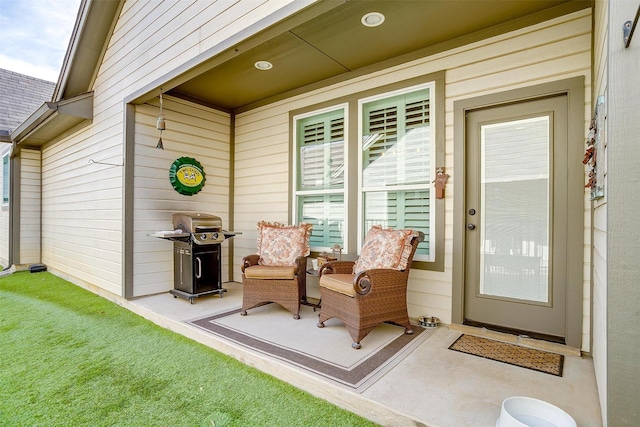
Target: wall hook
{"type": "Point", "coordinates": [105, 163]}
{"type": "Point", "coordinates": [628, 28]}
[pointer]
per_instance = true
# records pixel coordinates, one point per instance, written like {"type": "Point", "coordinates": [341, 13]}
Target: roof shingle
{"type": "Point", "coordinates": [20, 96]}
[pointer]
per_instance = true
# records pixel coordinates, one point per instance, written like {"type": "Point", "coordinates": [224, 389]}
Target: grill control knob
{"type": "Point", "coordinates": [203, 236]}
{"type": "Point", "coordinates": [215, 236]}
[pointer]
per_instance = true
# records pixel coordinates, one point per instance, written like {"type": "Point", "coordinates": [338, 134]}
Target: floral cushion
{"type": "Point", "coordinates": [385, 248]}
{"type": "Point", "coordinates": [280, 244]}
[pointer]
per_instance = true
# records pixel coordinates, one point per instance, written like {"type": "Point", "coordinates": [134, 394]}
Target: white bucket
{"type": "Point", "coordinates": [528, 412]}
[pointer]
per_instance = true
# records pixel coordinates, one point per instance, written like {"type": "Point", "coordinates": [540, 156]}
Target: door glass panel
{"type": "Point", "coordinates": [514, 232]}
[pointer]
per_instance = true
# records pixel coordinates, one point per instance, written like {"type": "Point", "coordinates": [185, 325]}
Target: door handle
{"type": "Point", "coordinates": [199, 268]}
{"type": "Point", "coordinates": [471, 226]}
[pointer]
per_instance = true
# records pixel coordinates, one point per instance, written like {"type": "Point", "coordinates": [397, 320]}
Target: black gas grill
{"type": "Point", "coordinates": [197, 254]}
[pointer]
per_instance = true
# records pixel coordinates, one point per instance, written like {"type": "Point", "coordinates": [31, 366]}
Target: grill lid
{"type": "Point", "coordinates": [205, 229]}
{"type": "Point", "coordinates": [197, 222]}
{"type": "Point", "coordinates": [198, 228]}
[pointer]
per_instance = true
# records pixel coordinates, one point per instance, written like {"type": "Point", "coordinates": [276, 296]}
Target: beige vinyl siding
{"type": "Point", "coordinates": [192, 131]}
{"type": "Point", "coordinates": [149, 40]}
{"type": "Point", "coordinates": [599, 218]}
{"type": "Point", "coordinates": [30, 191]}
{"type": "Point", "coordinates": [549, 51]}
{"type": "Point", "coordinates": [4, 214]}
{"type": "Point", "coordinates": [261, 186]}
{"type": "Point", "coordinates": [82, 207]}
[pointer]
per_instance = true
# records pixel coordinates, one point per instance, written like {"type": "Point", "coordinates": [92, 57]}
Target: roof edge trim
{"type": "Point", "coordinates": [71, 49]}
{"type": "Point", "coordinates": [80, 106]}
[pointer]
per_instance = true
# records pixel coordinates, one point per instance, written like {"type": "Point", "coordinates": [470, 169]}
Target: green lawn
{"type": "Point", "coordinates": [72, 358]}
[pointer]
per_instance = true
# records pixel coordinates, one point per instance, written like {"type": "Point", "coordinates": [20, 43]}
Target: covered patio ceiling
{"type": "Point", "coordinates": [330, 43]}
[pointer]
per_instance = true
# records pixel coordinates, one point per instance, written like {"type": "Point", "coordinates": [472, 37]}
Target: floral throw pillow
{"type": "Point", "coordinates": [385, 248]}
{"type": "Point", "coordinates": [280, 244]}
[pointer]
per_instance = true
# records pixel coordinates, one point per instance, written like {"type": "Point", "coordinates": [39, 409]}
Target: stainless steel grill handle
{"type": "Point", "coordinates": [199, 267]}
{"type": "Point", "coordinates": [181, 252]}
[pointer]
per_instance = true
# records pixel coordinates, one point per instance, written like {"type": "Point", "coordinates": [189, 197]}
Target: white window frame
{"type": "Point", "coordinates": [297, 193]}
{"type": "Point", "coordinates": [431, 238]}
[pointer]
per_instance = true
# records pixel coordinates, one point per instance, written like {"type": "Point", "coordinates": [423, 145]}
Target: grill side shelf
{"type": "Point", "coordinates": [180, 237]}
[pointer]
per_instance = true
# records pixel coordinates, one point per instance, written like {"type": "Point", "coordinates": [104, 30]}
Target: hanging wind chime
{"type": "Point", "coordinates": [160, 125]}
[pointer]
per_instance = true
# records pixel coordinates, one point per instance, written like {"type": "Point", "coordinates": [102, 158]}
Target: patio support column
{"type": "Point", "coordinates": [127, 197]}
{"type": "Point", "coordinates": [623, 231]}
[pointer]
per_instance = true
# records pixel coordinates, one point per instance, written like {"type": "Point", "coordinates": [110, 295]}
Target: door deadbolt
{"type": "Point", "coordinates": [472, 212]}
{"type": "Point", "coordinates": [471, 226]}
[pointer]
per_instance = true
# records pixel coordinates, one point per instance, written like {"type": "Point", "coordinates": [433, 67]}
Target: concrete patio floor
{"type": "Point", "coordinates": [432, 386]}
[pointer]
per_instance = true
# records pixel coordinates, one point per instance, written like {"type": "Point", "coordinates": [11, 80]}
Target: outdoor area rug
{"type": "Point", "coordinates": [324, 351]}
{"type": "Point", "coordinates": [530, 358]}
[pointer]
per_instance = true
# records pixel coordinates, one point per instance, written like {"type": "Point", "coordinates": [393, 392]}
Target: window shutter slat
{"type": "Point", "coordinates": [320, 145]}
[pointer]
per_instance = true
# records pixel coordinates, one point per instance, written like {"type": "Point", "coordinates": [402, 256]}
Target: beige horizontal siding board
{"type": "Point", "coordinates": [78, 169]}
{"type": "Point", "coordinates": [30, 192]}
{"type": "Point", "coordinates": [268, 122]}
{"type": "Point", "coordinates": [153, 252]}
{"type": "Point", "coordinates": [74, 161]}
{"type": "Point", "coordinates": [523, 58]}
{"type": "Point", "coordinates": [275, 146]}
{"type": "Point", "coordinates": [249, 165]}
{"type": "Point", "coordinates": [136, 40]}
{"type": "Point", "coordinates": [241, 15]}
{"type": "Point", "coordinates": [78, 272]}
{"type": "Point", "coordinates": [89, 196]}
{"type": "Point", "coordinates": [553, 70]}
{"type": "Point", "coordinates": [232, 12]}
{"type": "Point", "coordinates": [182, 115]}
{"type": "Point", "coordinates": [67, 254]}
{"type": "Point", "coordinates": [173, 20]}
{"type": "Point", "coordinates": [268, 179]}
{"type": "Point", "coordinates": [548, 33]}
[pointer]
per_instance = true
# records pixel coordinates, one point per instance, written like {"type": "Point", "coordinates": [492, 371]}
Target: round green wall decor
{"type": "Point", "coordinates": [187, 176]}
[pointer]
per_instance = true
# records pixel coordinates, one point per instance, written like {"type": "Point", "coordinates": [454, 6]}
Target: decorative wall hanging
{"type": "Point", "coordinates": [440, 182]}
{"type": "Point", "coordinates": [160, 124]}
{"type": "Point", "coordinates": [187, 176]}
{"type": "Point", "coordinates": [595, 147]}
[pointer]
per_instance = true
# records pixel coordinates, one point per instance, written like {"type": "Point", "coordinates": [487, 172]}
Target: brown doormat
{"type": "Point", "coordinates": [529, 358]}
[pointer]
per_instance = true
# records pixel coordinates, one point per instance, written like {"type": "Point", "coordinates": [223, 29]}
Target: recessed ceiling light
{"type": "Point", "coordinates": [372, 19]}
{"type": "Point", "coordinates": [263, 65]}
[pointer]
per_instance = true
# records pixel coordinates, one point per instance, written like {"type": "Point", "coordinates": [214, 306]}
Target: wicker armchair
{"type": "Point", "coordinates": [361, 293]}
{"type": "Point", "coordinates": [278, 272]}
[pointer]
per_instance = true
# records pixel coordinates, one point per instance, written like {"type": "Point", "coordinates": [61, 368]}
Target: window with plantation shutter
{"type": "Point", "coordinates": [383, 175]}
{"type": "Point", "coordinates": [320, 147]}
{"type": "Point", "coordinates": [396, 171]}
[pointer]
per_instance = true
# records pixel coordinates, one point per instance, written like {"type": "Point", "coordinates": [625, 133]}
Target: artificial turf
{"type": "Point", "coordinates": [71, 358]}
